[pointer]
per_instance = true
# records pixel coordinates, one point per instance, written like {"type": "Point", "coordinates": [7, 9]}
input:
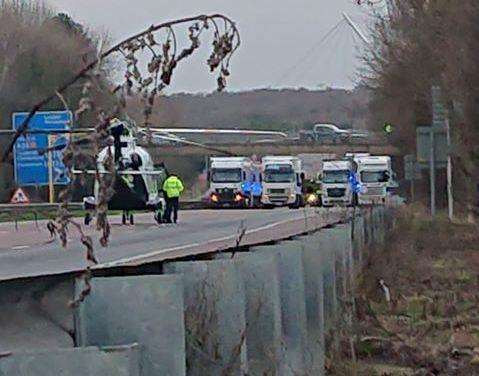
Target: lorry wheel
{"type": "Point", "coordinates": [297, 203]}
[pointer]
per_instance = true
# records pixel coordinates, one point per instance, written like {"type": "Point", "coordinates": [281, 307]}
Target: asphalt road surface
{"type": "Point", "coordinates": [29, 251]}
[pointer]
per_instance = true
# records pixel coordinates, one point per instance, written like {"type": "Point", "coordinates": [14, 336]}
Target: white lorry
{"type": "Point", "coordinates": [336, 188]}
{"type": "Point", "coordinates": [375, 176]}
{"type": "Point", "coordinates": [282, 181]}
{"type": "Point", "coordinates": [226, 179]}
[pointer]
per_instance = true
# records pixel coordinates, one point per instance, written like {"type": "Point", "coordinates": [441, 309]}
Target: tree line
{"type": "Point", "coordinates": [39, 50]}
{"type": "Point", "coordinates": [417, 44]}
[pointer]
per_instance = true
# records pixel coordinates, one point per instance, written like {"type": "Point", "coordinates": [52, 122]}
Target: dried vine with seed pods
{"type": "Point", "coordinates": [149, 60]}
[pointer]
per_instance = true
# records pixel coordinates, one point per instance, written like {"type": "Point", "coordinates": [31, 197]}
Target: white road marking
{"type": "Point", "coordinates": [20, 247]}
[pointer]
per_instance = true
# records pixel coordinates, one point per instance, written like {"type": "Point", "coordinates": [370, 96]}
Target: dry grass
{"type": "Point", "coordinates": [431, 324]}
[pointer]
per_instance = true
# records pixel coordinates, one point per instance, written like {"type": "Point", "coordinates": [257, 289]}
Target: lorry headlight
{"type": "Point", "coordinates": [311, 199]}
{"type": "Point", "coordinates": [214, 197]}
{"type": "Point", "coordinates": [238, 197]}
{"type": "Point", "coordinates": [292, 195]}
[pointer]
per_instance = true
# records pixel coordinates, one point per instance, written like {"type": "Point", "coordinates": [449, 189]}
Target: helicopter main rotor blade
{"type": "Point", "coordinates": [218, 131]}
{"type": "Point", "coordinates": [117, 172]}
{"type": "Point", "coordinates": [193, 143]}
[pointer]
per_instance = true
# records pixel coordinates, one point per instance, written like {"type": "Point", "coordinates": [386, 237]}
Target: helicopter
{"type": "Point", "coordinates": [137, 183]}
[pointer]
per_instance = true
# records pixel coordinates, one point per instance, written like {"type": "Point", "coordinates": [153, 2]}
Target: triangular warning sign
{"type": "Point", "coordinates": [19, 197]}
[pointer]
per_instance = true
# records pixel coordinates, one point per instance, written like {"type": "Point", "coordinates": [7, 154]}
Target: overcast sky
{"type": "Point", "coordinates": [276, 36]}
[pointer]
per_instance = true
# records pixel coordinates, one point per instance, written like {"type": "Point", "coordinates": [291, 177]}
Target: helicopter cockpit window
{"type": "Point", "coordinates": [136, 161]}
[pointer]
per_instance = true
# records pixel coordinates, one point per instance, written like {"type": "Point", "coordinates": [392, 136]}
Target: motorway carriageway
{"type": "Point", "coordinates": [29, 252]}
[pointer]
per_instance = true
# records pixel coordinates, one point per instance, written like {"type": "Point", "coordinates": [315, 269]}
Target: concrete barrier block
{"type": "Point", "coordinates": [358, 238]}
{"type": "Point", "coordinates": [143, 309]}
{"type": "Point", "coordinates": [368, 226]}
{"type": "Point", "coordinates": [314, 294]}
{"type": "Point", "coordinates": [91, 361]}
{"type": "Point", "coordinates": [260, 275]}
{"type": "Point", "coordinates": [381, 224]}
{"type": "Point", "coordinates": [35, 313]}
{"type": "Point", "coordinates": [293, 305]}
{"type": "Point", "coordinates": [327, 247]}
{"type": "Point", "coordinates": [214, 317]}
{"type": "Point", "coordinates": [342, 240]}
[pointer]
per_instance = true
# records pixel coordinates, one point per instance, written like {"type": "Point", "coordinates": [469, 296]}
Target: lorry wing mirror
{"type": "Point", "coordinates": [302, 175]}
{"type": "Point", "coordinates": [208, 176]}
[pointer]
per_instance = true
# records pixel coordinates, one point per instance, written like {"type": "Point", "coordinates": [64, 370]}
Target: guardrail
{"type": "Point", "coordinates": [38, 208]}
{"type": "Point", "coordinates": [15, 211]}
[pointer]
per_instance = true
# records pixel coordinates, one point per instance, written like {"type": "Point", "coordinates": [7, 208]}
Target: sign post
{"type": "Point", "coordinates": [51, 187]}
{"type": "Point", "coordinates": [441, 122]}
{"type": "Point", "coordinates": [434, 149]}
{"type": "Point", "coordinates": [411, 172]}
{"type": "Point", "coordinates": [432, 173]}
{"type": "Point", "coordinates": [450, 198]}
{"type": "Point", "coordinates": [431, 153]}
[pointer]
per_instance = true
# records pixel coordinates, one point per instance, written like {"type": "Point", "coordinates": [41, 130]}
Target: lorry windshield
{"type": "Point", "coordinates": [335, 177]}
{"type": "Point", "coordinates": [226, 175]}
{"type": "Point", "coordinates": [374, 176]}
{"type": "Point", "coordinates": [279, 173]}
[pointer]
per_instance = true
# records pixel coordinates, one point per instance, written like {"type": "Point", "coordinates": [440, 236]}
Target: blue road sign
{"type": "Point", "coordinates": [31, 167]}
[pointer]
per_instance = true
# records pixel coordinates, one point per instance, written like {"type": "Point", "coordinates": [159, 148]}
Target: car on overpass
{"type": "Point", "coordinates": [331, 133]}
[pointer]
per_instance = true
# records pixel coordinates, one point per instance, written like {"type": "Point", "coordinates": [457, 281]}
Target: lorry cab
{"type": "Point", "coordinates": [336, 188]}
{"type": "Point", "coordinates": [282, 181]}
{"type": "Point", "coordinates": [376, 177]}
{"type": "Point", "coordinates": [227, 177]}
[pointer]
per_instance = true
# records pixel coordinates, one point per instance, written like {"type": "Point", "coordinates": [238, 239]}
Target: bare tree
{"type": "Point", "coordinates": [418, 44]}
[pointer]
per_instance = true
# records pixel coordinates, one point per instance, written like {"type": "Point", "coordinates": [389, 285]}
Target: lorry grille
{"type": "Point", "coordinates": [280, 191]}
{"type": "Point", "coordinates": [375, 191]}
{"type": "Point", "coordinates": [279, 199]}
{"type": "Point", "coordinates": [336, 192]}
{"type": "Point", "coordinates": [225, 194]}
